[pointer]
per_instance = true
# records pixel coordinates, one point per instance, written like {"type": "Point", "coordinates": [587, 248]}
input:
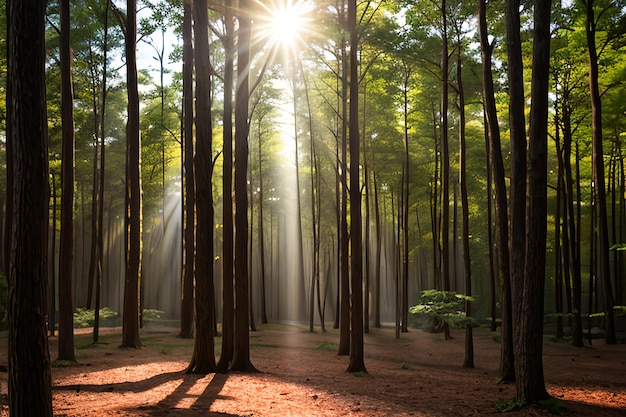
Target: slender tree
{"type": "Point", "coordinates": [29, 378]}
{"type": "Point", "coordinates": [604, 268]}
{"type": "Point", "coordinates": [445, 159]}
{"type": "Point", "coordinates": [507, 370]}
{"type": "Point", "coordinates": [468, 362]}
{"type": "Point", "coordinates": [241, 358]}
{"type": "Point", "coordinates": [528, 315]}
{"type": "Point", "coordinates": [66, 255]}
{"type": "Point", "coordinates": [130, 323]}
{"type": "Point", "coordinates": [189, 244]}
{"type": "Point", "coordinates": [357, 363]}
{"type": "Point", "coordinates": [203, 357]}
{"type": "Point", "coordinates": [228, 301]}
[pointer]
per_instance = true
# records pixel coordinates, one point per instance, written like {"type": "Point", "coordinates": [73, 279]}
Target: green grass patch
{"type": "Point", "coordinates": [553, 406]}
{"type": "Point", "coordinates": [62, 363]}
{"type": "Point", "coordinates": [406, 366]}
{"type": "Point", "coordinates": [507, 405]}
{"type": "Point", "coordinates": [328, 346]}
{"type": "Point", "coordinates": [360, 374]}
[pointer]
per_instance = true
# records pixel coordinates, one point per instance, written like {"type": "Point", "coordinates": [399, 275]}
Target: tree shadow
{"type": "Point", "coordinates": [200, 403]}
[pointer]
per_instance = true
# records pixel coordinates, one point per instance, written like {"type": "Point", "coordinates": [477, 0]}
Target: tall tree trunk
{"type": "Point", "coordinates": [558, 256]}
{"type": "Point", "coordinates": [187, 306]}
{"type": "Point", "coordinates": [604, 269]}
{"type": "Point", "coordinates": [517, 204]}
{"type": "Point", "coordinates": [130, 324]}
{"type": "Point", "coordinates": [574, 235]}
{"type": "Point", "coordinates": [260, 235]}
{"type": "Point", "coordinates": [379, 245]}
{"type": "Point", "coordinates": [493, 250]}
{"type": "Point", "coordinates": [445, 161]}
{"type": "Point", "coordinates": [315, 275]}
{"type": "Point", "coordinates": [300, 301]}
{"type": "Point", "coordinates": [52, 258]}
{"type": "Point", "coordinates": [100, 243]}
{"type": "Point", "coordinates": [467, 264]}
{"type": "Point", "coordinates": [344, 237]}
{"type": "Point", "coordinates": [357, 363]}
{"type": "Point", "coordinates": [434, 203]}
{"type": "Point", "coordinates": [445, 158]}
{"type": "Point", "coordinates": [29, 379]}
{"type": "Point", "coordinates": [66, 254]}
{"type": "Point", "coordinates": [241, 358]}
{"type": "Point", "coordinates": [507, 370]}
{"type": "Point", "coordinates": [529, 383]}
{"type": "Point", "coordinates": [405, 208]}
{"type": "Point", "coordinates": [203, 357]}
{"type": "Point", "coordinates": [228, 294]}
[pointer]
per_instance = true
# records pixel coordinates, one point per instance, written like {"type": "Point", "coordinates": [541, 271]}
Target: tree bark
{"type": "Point", "coordinates": [468, 362]}
{"type": "Point", "coordinates": [357, 363]}
{"type": "Point", "coordinates": [203, 357]}
{"type": "Point", "coordinates": [228, 300]}
{"type": "Point", "coordinates": [530, 385]}
{"type": "Point", "coordinates": [241, 359]}
{"type": "Point", "coordinates": [187, 306]}
{"type": "Point", "coordinates": [66, 255]}
{"type": "Point", "coordinates": [604, 269]}
{"type": "Point", "coordinates": [29, 378]}
{"type": "Point", "coordinates": [130, 323]}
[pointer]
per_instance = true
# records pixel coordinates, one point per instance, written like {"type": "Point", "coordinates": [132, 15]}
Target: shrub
{"type": "Point", "coordinates": [443, 307]}
{"type": "Point", "coordinates": [85, 318]}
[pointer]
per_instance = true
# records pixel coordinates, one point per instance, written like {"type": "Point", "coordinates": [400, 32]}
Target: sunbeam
{"type": "Point", "coordinates": [285, 28]}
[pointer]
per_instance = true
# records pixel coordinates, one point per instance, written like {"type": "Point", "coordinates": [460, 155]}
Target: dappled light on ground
{"type": "Point", "coordinates": [418, 375]}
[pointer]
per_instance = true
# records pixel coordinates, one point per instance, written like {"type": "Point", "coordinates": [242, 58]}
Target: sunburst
{"type": "Point", "coordinates": [285, 27]}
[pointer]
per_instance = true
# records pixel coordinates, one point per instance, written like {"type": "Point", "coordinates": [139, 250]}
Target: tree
{"type": "Point", "coordinates": [357, 363]}
{"type": "Point", "coordinates": [507, 370]}
{"type": "Point", "coordinates": [465, 235]}
{"type": "Point", "coordinates": [189, 241]}
{"type": "Point", "coordinates": [228, 301]}
{"type": "Point", "coordinates": [130, 323]}
{"type": "Point", "coordinates": [528, 313]}
{"type": "Point", "coordinates": [29, 377]}
{"type": "Point", "coordinates": [241, 358]}
{"type": "Point", "coordinates": [66, 256]}
{"type": "Point", "coordinates": [604, 268]}
{"type": "Point", "coordinates": [203, 358]}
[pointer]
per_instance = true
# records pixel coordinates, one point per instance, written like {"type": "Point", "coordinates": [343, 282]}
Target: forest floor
{"type": "Point", "coordinates": [301, 374]}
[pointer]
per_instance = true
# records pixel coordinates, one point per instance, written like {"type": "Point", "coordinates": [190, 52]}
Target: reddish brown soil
{"type": "Point", "coordinates": [301, 375]}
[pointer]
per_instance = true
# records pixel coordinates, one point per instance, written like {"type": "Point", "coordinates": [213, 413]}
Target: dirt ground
{"type": "Point", "coordinates": [301, 375]}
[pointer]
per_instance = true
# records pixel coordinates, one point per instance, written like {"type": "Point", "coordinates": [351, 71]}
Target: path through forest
{"type": "Point", "coordinates": [418, 375]}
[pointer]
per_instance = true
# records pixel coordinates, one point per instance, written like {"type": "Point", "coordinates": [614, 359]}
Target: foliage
{"type": "Point", "coordinates": [85, 318]}
{"type": "Point", "coordinates": [507, 405]}
{"type": "Point", "coordinates": [149, 314]}
{"type": "Point", "coordinates": [61, 363]}
{"type": "Point", "coordinates": [551, 405]}
{"type": "Point", "coordinates": [618, 310]}
{"type": "Point", "coordinates": [327, 346]}
{"type": "Point", "coordinates": [443, 307]}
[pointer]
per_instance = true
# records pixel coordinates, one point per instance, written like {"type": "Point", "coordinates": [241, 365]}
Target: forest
{"type": "Point", "coordinates": [348, 168]}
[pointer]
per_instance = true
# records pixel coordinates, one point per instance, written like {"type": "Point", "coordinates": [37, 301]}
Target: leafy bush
{"type": "Point", "coordinates": [617, 310]}
{"type": "Point", "coordinates": [85, 318]}
{"type": "Point", "coordinates": [149, 314]}
{"type": "Point", "coordinates": [443, 307]}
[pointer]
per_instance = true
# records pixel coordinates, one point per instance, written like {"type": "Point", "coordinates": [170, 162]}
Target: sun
{"type": "Point", "coordinates": [286, 25]}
